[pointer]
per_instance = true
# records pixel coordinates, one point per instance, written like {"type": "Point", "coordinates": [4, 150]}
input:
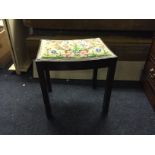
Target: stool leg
{"type": "Point", "coordinates": [42, 80]}
{"type": "Point", "coordinates": [48, 81]}
{"type": "Point", "coordinates": [94, 77]}
{"type": "Point", "coordinates": [108, 86]}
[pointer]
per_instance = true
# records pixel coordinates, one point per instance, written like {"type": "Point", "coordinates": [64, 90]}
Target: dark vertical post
{"type": "Point", "coordinates": [108, 85]}
{"type": "Point", "coordinates": [42, 80]}
{"type": "Point", "coordinates": [48, 80]}
{"type": "Point", "coordinates": [95, 70]}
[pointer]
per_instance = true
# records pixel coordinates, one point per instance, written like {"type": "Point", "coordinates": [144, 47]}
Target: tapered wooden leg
{"type": "Point", "coordinates": [108, 86]}
{"type": "Point", "coordinates": [94, 77]}
{"type": "Point", "coordinates": [44, 89]}
{"type": "Point", "coordinates": [48, 81]}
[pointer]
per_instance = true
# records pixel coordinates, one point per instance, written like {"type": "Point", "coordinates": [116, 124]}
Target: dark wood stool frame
{"type": "Point", "coordinates": [44, 66]}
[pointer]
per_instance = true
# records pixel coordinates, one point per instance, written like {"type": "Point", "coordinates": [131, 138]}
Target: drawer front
{"type": "Point", "coordinates": [149, 74]}
{"type": "Point", "coordinates": [150, 93]}
{"type": "Point", "coordinates": [150, 69]}
{"type": "Point", "coordinates": [151, 82]}
{"type": "Point", "coordinates": [153, 50]}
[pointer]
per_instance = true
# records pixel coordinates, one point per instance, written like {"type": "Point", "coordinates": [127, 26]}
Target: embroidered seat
{"type": "Point", "coordinates": [73, 49]}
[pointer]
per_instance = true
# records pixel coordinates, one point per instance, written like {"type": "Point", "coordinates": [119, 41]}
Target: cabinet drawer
{"type": "Point", "coordinates": [150, 73]}
{"type": "Point", "coordinates": [150, 67]}
{"type": "Point", "coordinates": [151, 83]}
{"type": "Point", "coordinates": [149, 93]}
{"type": "Point", "coordinates": [153, 50]}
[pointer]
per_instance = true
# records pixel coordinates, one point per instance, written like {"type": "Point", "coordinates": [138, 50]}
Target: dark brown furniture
{"type": "Point", "coordinates": [44, 66]}
{"type": "Point", "coordinates": [148, 77]}
{"type": "Point", "coordinates": [130, 39]}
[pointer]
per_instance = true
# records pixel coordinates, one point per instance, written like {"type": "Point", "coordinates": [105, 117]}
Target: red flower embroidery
{"type": "Point", "coordinates": [84, 53]}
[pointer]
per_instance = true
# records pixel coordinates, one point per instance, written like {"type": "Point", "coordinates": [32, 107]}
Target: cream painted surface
{"type": "Point", "coordinates": [20, 56]}
{"type": "Point", "coordinates": [5, 54]}
{"type": "Point", "coordinates": [125, 70]}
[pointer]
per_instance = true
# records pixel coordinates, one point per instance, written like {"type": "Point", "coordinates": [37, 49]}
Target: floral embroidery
{"type": "Point", "coordinates": [84, 48]}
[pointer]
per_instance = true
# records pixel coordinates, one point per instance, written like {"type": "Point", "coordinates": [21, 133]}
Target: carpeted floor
{"type": "Point", "coordinates": [76, 109]}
